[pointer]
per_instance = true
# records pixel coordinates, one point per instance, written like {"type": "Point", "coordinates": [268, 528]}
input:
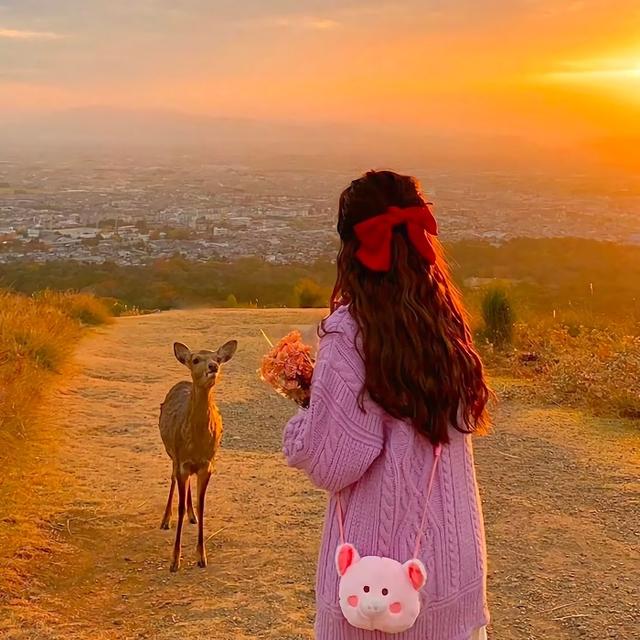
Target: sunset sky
{"type": "Point", "coordinates": [537, 68]}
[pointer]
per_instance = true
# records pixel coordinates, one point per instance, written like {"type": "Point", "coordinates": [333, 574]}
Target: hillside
{"type": "Point", "coordinates": [558, 487]}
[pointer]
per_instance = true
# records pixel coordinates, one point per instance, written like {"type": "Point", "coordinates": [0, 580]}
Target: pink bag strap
{"type": "Point", "coordinates": [340, 518]}
{"type": "Point", "coordinates": [437, 450]}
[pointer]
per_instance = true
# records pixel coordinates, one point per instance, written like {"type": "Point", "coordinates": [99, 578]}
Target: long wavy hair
{"type": "Point", "coordinates": [414, 336]}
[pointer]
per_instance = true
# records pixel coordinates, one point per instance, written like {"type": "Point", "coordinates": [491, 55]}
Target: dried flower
{"type": "Point", "coordinates": [288, 368]}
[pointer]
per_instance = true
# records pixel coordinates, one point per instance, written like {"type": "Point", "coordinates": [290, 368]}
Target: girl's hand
{"type": "Point", "coordinates": [304, 402]}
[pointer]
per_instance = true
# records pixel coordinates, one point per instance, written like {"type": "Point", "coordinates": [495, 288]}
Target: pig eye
{"type": "Point", "coordinates": [196, 361]}
{"type": "Point", "coordinates": [385, 592]}
{"type": "Point", "coordinates": [366, 589]}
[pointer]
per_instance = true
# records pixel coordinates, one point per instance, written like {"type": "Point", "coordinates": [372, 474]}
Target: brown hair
{"type": "Point", "coordinates": [420, 362]}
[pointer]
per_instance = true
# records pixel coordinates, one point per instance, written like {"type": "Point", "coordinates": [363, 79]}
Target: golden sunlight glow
{"type": "Point", "coordinates": [553, 72]}
{"type": "Point", "coordinates": [621, 74]}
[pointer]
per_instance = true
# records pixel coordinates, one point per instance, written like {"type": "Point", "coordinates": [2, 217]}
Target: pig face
{"type": "Point", "coordinates": [379, 593]}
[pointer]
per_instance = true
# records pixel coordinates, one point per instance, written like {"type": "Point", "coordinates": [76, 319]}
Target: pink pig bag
{"type": "Point", "coordinates": [380, 594]}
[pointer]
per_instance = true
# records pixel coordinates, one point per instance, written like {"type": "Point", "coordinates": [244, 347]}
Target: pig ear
{"type": "Point", "coordinates": [346, 555]}
{"type": "Point", "coordinates": [416, 572]}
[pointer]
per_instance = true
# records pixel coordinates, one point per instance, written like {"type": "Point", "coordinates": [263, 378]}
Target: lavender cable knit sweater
{"type": "Point", "coordinates": [382, 466]}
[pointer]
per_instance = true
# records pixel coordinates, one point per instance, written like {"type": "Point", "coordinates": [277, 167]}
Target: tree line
{"type": "Point", "coordinates": [541, 276]}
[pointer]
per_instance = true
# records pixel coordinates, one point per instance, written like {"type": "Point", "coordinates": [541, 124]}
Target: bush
{"type": "Point", "coordinates": [594, 367]}
{"type": "Point", "coordinates": [85, 308]}
{"type": "Point", "coordinates": [308, 294]}
{"type": "Point", "coordinates": [88, 309]}
{"type": "Point", "coordinates": [32, 332]}
{"type": "Point", "coordinates": [37, 335]}
{"type": "Point", "coordinates": [498, 317]}
{"type": "Point", "coordinates": [231, 301]}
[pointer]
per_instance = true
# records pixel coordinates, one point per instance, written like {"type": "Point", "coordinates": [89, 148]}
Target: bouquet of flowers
{"type": "Point", "coordinates": [288, 367]}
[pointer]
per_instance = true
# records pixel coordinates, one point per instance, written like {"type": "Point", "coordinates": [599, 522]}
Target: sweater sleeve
{"type": "Point", "coordinates": [334, 441]}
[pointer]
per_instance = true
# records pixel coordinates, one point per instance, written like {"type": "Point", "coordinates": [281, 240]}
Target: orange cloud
{"type": "Point", "coordinates": [305, 22]}
{"type": "Point", "coordinates": [23, 34]}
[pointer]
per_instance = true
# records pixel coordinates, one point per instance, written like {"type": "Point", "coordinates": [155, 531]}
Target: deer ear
{"type": "Point", "coordinates": [416, 572]}
{"type": "Point", "coordinates": [182, 353]}
{"type": "Point", "coordinates": [226, 351]}
{"type": "Point", "coordinates": [346, 555]}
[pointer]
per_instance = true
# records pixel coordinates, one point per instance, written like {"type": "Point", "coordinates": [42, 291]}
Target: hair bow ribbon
{"type": "Point", "coordinates": [375, 235]}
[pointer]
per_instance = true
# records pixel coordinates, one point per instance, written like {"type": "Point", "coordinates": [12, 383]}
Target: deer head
{"type": "Point", "coordinates": [204, 365]}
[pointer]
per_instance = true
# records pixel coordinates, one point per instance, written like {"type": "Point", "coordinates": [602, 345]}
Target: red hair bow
{"type": "Point", "coordinates": [375, 235]}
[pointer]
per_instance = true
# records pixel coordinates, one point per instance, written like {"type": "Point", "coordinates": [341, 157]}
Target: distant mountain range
{"type": "Point", "coordinates": [112, 129]}
{"type": "Point", "coordinates": [100, 125]}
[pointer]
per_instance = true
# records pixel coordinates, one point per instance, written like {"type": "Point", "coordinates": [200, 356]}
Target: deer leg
{"type": "Point", "coordinates": [183, 479]}
{"type": "Point", "coordinates": [166, 518]}
{"type": "Point", "coordinates": [192, 516]}
{"type": "Point", "coordinates": [203, 481]}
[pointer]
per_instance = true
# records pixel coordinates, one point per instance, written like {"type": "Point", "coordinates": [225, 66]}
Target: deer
{"type": "Point", "coordinates": [191, 430]}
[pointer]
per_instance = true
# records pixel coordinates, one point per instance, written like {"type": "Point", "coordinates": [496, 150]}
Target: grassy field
{"type": "Point", "coordinates": [559, 488]}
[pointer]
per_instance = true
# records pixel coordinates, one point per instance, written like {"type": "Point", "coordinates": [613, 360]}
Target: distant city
{"type": "Point", "coordinates": [131, 213]}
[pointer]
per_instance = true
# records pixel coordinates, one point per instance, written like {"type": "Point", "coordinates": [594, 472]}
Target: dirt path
{"type": "Point", "coordinates": [560, 493]}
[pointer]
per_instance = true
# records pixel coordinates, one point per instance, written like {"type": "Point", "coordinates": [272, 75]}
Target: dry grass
{"type": "Point", "coordinates": [85, 308]}
{"type": "Point", "coordinates": [597, 368]}
{"type": "Point", "coordinates": [37, 337]}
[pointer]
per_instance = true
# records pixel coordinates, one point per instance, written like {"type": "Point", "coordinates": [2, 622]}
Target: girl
{"type": "Point", "coordinates": [396, 374]}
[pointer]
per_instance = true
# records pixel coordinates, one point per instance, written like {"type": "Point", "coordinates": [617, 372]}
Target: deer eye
{"type": "Point", "coordinates": [195, 361]}
{"type": "Point", "coordinates": [366, 589]}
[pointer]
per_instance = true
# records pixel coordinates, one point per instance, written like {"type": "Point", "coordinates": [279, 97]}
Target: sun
{"type": "Point", "coordinates": [617, 75]}
{"type": "Point", "coordinates": [606, 74]}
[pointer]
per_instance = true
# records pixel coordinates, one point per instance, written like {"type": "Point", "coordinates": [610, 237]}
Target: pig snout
{"type": "Point", "coordinates": [373, 606]}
